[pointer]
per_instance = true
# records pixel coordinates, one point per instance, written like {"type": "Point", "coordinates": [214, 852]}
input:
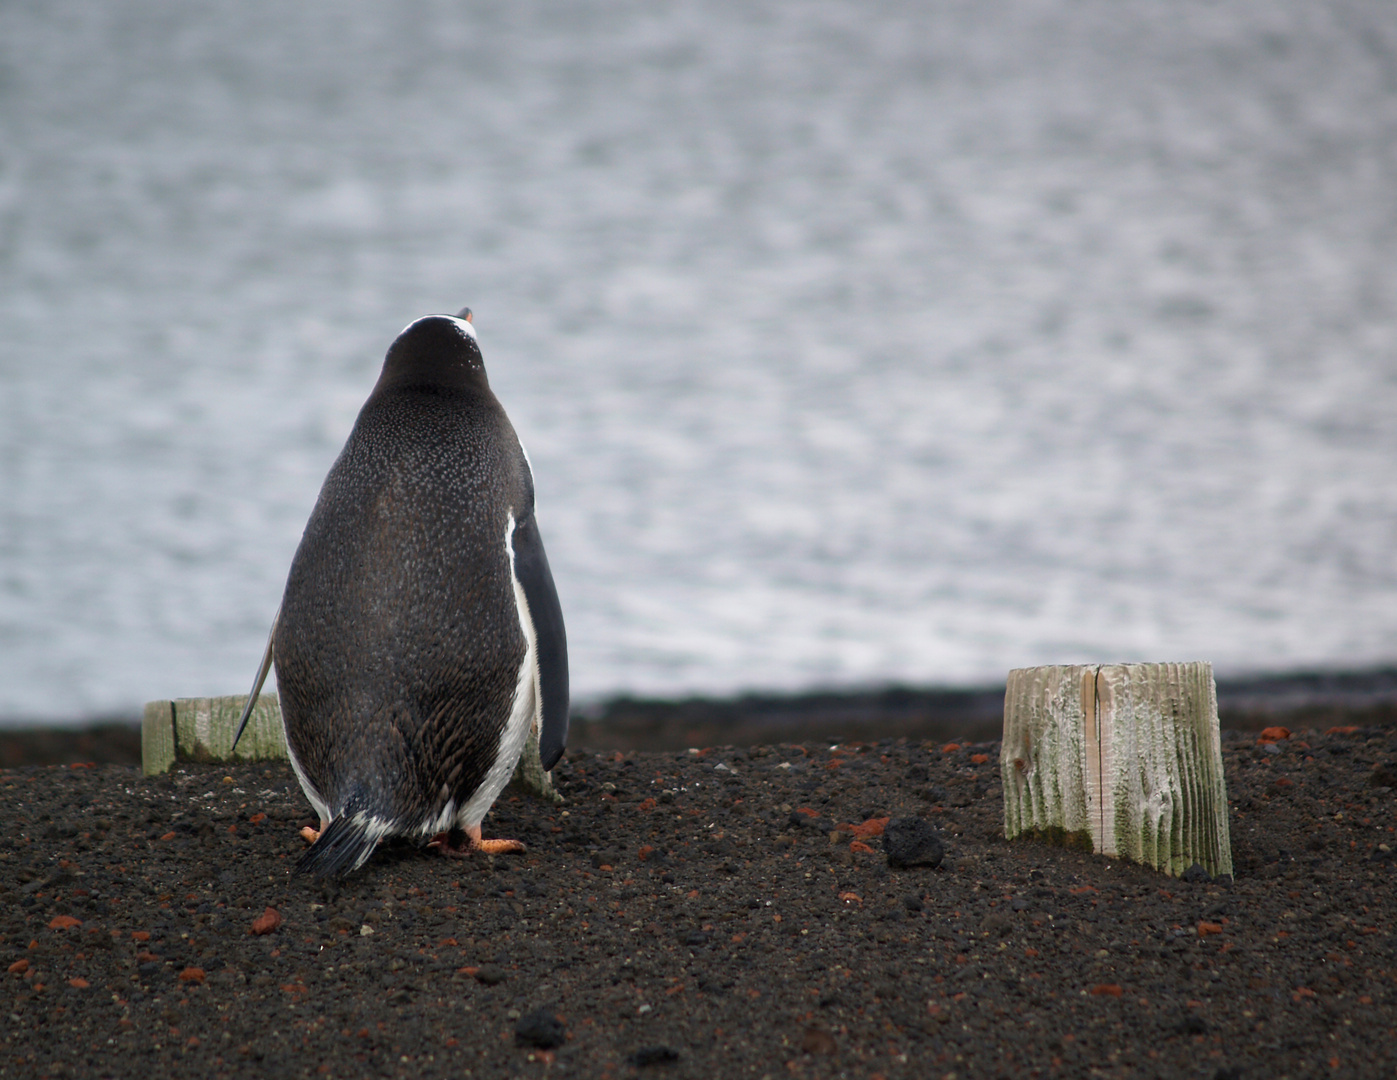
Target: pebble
{"type": "Point", "coordinates": [541, 1029]}
{"type": "Point", "coordinates": [872, 826]}
{"type": "Point", "coordinates": [653, 1055]}
{"type": "Point", "coordinates": [817, 1041]}
{"type": "Point", "coordinates": [912, 841]}
{"type": "Point", "coordinates": [265, 923]}
{"type": "Point", "coordinates": [805, 818]}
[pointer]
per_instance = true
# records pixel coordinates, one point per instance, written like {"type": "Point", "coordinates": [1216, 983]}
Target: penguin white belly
{"type": "Point", "coordinates": [311, 792]}
{"type": "Point", "coordinates": [524, 714]}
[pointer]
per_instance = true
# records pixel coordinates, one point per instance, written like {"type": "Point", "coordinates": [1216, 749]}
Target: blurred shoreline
{"type": "Point", "coordinates": [1299, 700]}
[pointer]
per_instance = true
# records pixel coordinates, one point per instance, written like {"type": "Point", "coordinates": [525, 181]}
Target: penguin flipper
{"type": "Point", "coordinates": [343, 846]}
{"type": "Point", "coordinates": [534, 577]}
{"type": "Point", "coordinates": [257, 683]}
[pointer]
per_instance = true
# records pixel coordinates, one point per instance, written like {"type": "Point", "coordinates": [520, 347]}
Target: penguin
{"type": "Point", "coordinates": [419, 641]}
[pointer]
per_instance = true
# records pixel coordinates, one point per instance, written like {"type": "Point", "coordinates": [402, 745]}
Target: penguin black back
{"type": "Point", "coordinates": [420, 626]}
{"type": "Point", "coordinates": [437, 353]}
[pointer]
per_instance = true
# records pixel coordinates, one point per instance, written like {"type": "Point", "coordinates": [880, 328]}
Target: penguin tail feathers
{"type": "Point", "coordinates": [344, 845]}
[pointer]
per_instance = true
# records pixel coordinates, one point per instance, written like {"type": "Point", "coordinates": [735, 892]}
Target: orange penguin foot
{"type": "Point", "coordinates": [310, 835]}
{"type": "Point", "coordinates": [449, 843]}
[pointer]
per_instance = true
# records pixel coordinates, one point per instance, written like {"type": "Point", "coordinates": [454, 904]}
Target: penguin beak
{"type": "Point", "coordinates": [465, 313]}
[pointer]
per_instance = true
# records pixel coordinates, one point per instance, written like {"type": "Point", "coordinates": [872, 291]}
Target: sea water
{"type": "Point", "coordinates": [852, 343]}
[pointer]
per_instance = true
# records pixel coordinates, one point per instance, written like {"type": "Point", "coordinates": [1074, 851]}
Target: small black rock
{"type": "Point", "coordinates": [1196, 873]}
{"type": "Point", "coordinates": [653, 1055]}
{"type": "Point", "coordinates": [1193, 1025]}
{"type": "Point", "coordinates": [489, 975]}
{"type": "Point", "coordinates": [910, 841]}
{"type": "Point", "coordinates": [540, 1029]}
{"type": "Point", "coordinates": [1383, 776]}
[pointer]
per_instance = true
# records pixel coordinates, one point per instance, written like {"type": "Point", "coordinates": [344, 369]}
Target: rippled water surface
{"type": "Point", "coordinates": [851, 342]}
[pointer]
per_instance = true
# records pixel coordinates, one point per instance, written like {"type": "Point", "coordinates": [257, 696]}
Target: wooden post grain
{"type": "Point", "coordinates": [1121, 759]}
{"type": "Point", "coordinates": [157, 737]}
{"type": "Point", "coordinates": [201, 729]}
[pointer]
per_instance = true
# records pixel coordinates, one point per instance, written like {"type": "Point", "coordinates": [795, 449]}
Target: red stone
{"type": "Point", "coordinates": [267, 922]}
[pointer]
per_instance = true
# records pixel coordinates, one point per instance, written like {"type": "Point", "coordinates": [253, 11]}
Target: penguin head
{"type": "Point", "coordinates": [436, 352]}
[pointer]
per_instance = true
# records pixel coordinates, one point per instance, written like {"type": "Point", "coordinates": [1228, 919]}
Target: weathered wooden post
{"type": "Point", "coordinates": [1123, 759]}
{"type": "Point", "coordinates": [202, 729]}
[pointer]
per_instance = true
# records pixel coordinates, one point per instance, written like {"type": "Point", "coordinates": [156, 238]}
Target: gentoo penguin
{"type": "Point", "coordinates": [419, 640]}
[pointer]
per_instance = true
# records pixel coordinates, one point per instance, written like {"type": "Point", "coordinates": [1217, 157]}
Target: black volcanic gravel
{"type": "Point", "coordinates": [690, 915]}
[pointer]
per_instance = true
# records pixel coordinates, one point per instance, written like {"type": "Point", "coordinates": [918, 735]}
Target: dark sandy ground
{"type": "Point", "coordinates": [691, 915]}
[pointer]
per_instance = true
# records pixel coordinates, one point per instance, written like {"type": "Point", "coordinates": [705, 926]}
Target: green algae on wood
{"type": "Point", "coordinates": [202, 729]}
{"type": "Point", "coordinates": [1129, 754]}
{"type": "Point", "coordinates": [529, 774]}
{"type": "Point", "coordinates": [157, 737]}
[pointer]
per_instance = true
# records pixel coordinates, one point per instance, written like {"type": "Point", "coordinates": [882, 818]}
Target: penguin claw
{"type": "Point", "coordinates": [310, 835]}
{"type": "Point", "coordinates": [448, 845]}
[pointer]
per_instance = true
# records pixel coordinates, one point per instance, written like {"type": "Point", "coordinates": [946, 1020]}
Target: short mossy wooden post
{"type": "Point", "coordinates": [1121, 759]}
{"type": "Point", "coordinates": [202, 730]}
{"type": "Point", "coordinates": [530, 775]}
{"type": "Point", "coordinates": [158, 737]}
